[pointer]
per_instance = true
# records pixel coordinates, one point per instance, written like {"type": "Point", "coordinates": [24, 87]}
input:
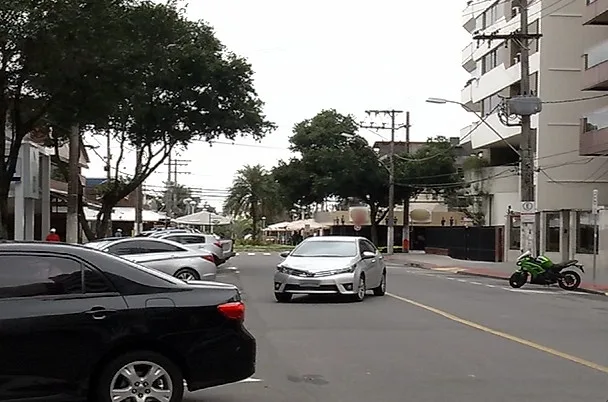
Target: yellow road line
{"type": "Point", "coordinates": [504, 335]}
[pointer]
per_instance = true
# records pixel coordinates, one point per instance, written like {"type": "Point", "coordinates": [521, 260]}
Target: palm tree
{"type": "Point", "coordinates": [253, 193]}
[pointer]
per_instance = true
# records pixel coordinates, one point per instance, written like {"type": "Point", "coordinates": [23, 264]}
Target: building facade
{"type": "Point", "coordinates": [566, 172]}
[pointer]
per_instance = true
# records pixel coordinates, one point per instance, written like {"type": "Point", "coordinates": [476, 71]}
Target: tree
{"type": "Point", "coordinates": [174, 195]}
{"type": "Point", "coordinates": [54, 59]}
{"type": "Point", "coordinates": [335, 162]}
{"type": "Point", "coordinates": [183, 85]}
{"type": "Point", "coordinates": [254, 194]}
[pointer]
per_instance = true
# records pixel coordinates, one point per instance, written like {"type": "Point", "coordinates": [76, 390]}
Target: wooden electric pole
{"type": "Point", "coordinates": [522, 39]}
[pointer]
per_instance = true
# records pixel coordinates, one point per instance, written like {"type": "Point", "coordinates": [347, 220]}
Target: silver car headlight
{"type": "Point", "coordinates": [348, 270]}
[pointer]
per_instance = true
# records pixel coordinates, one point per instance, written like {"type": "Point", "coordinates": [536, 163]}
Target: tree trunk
{"type": "Point", "coordinates": [84, 224]}
{"type": "Point", "coordinates": [104, 219]}
{"type": "Point", "coordinates": [374, 230]}
{"type": "Point", "coordinates": [4, 215]}
{"type": "Point", "coordinates": [254, 219]}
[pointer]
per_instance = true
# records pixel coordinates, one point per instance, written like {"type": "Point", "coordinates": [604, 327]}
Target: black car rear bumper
{"type": "Point", "coordinates": [231, 359]}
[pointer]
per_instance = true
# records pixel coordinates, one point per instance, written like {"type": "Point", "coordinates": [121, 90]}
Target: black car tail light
{"type": "Point", "coordinates": [233, 310]}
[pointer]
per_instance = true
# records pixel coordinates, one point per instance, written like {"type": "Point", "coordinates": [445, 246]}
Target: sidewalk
{"type": "Point", "coordinates": [501, 270]}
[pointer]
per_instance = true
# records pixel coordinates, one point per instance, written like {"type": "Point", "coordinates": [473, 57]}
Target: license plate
{"type": "Point", "coordinates": [310, 283]}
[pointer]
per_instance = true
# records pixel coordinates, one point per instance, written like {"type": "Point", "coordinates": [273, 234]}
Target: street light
{"type": "Point", "coordinates": [482, 119]}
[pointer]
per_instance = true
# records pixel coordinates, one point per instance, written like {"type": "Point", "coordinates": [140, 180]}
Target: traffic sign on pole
{"type": "Point", "coordinates": [595, 202]}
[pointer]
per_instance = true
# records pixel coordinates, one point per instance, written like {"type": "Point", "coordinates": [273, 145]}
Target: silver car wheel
{"type": "Point", "coordinates": [361, 288]}
{"type": "Point", "coordinates": [141, 381]}
{"type": "Point", "coordinates": [186, 276]}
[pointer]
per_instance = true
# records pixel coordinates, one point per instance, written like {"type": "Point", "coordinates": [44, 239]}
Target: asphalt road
{"type": "Point", "coordinates": [436, 336]}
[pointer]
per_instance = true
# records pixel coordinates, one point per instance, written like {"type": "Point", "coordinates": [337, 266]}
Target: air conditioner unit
{"type": "Point", "coordinates": [514, 11]}
{"type": "Point", "coordinates": [517, 58]}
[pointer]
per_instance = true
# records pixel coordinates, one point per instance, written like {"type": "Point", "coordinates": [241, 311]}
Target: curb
{"type": "Point", "coordinates": [431, 267]}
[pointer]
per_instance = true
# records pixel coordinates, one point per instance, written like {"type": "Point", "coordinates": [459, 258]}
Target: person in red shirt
{"type": "Point", "coordinates": [53, 236]}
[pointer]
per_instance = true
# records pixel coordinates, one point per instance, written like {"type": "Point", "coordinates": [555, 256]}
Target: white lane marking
{"type": "Point", "coordinates": [237, 254]}
{"type": "Point", "coordinates": [231, 269]}
{"type": "Point", "coordinates": [491, 286]}
{"type": "Point", "coordinates": [476, 283]}
{"type": "Point", "coordinates": [451, 279]}
{"type": "Point", "coordinates": [540, 292]}
{"type": "Point", "coordinates": [461, 280]}
{"type": "Point", "coordinates": [267, 254]}
{"type": "Point", "coordinates": [250, 253]}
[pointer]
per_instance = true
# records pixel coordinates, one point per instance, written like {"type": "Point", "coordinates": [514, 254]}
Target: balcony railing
{"type": "Point", "coordinates": [594, 133]}
{"type": "Point", "coordinates": [596, 55]}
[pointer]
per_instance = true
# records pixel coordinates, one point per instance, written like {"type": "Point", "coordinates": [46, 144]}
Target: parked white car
{"type": "Point", "coordinates": [221, 249]}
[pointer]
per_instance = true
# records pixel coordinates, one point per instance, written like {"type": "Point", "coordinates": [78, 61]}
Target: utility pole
{"type": "Point", "coordinates": [405, 235]}
{"type": "Point", "coordinates": [71, 224]}
{"type": "Point", "coordinates": [390, 235]}
{"type": "Point", "coordinates": [524, 105]}
{"type": "Point", "coordinates": [172, 173]}
{"type": "Point", "coordinates": [139, 195]}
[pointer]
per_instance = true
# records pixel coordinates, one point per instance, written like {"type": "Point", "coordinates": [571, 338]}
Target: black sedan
{"type": "Point", "coordinates": [76, 323]}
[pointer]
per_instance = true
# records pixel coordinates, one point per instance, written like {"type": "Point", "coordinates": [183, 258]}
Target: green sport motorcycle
{"type": "Point", "coordinates": [542, 271]}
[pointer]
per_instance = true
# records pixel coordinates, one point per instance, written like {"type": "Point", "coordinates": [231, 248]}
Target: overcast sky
{"type": "Point", "coordinates": [314, 55]}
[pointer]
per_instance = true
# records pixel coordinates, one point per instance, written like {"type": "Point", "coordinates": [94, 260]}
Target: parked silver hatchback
{"type": "Point", "coordinates": [331, 265]}
{"type": "Point", "coordinates": [162, 255]}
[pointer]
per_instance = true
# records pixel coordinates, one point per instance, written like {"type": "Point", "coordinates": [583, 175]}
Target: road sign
{"type": "Point", "coordinates": [357, 228]}
{"type": "Point", "coordinates": [528, 207]}
{"type": "Point", "coordinates": [595, 202]}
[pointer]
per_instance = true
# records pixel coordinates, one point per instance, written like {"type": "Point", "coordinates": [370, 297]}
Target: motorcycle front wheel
{"type": "Point", "coordinates": [518, 279]}
{"type": "Point", "coordinates": [570, 280]}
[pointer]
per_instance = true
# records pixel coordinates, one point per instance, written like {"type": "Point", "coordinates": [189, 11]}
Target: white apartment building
{"type": "Point", "coordinates": [569, 162]}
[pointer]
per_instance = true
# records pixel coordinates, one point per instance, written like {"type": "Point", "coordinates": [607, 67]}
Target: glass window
{"type": "Point", "coordinates": [366, 246]}
{"type": "Point", "coordinates": [143, 247]}
{"type": "Point", "coordinates": [329, 248]}
{"type": "Point", "coordinates": [584, 233]}
{"type": "Point", "coordinates": [514, 233]}
{"type": "Point", "coordinates": [95, 282]}
{"type": "Point", "coordinates": [552, 231]}
{"type": "Point", "coordinates": [30, 276]}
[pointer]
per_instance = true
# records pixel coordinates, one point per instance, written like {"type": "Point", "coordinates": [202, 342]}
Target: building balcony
{"type": "Point", "coordinates": [594, 134]}
{"type": "Point", "coordinates": [496, 80]}
{"type": "Point", "coordinates": [484, 137]}
{"type": "Point", "coordinates": [468, 61]}
{"type": "Point", "coordinates": [473, 9]}
{"type": "Point", "coordinates": [595, 71]}
{"type": "Point", "coordinates": [595, 12]}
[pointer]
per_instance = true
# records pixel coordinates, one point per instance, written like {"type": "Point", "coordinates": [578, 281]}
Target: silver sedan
{"type": "Point", "coordinates": [331, 265]}
{"type": "Point", "coordinates": [163, 255]}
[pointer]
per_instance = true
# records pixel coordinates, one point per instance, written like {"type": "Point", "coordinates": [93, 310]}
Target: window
{"type": "Point", "coordinates": [95, 282]}
{"type": "Point", "coordinates": [489, 104]}
{"type": "Point", "coordinates": [143, 247]}
{"type": "Point", "coordinates": [552, 231]}
{"type": "Point", "coordinates": [514, 233]}
{"type": "Point", "coordinates": [30, 276]}
{"type": "Point", "coordinates": [193, 239]}
{"type": "Point", "coordinates": [366, 246]}
{"type": "Point", "coordinates": [326, 248]}
{"type": "Point", "coordinates": [584, 233]}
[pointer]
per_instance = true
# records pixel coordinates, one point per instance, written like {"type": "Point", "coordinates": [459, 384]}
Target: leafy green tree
{"type": "Point", "coordinates": [335, 162]}
{"type": "Point", "coordinates": [54, 61]}
{"type": "Point", "coordinates": [182, 85]}
{"type": "Point", "coordinates": [253, 194]}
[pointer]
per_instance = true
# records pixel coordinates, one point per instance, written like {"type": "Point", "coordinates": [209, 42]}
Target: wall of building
{"type": "Point", "coordinates": [566, 180]}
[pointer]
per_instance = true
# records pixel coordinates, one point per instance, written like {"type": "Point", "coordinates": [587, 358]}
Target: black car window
{"type": "Point", "coordinates": [95, 282]}
{"type": "Point", "coordinates": [29, 276]}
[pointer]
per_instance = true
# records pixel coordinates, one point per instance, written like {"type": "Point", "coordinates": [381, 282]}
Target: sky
{"type": "Point", "coordinates": [332, 54]}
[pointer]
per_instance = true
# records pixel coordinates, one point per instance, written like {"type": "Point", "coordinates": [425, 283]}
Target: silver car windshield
{"type": "Point", "coordinates": [325, 249]}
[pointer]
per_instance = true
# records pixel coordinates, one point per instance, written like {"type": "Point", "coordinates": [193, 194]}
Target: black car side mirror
{"type": "Point", "coordinates": [285, 254]}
